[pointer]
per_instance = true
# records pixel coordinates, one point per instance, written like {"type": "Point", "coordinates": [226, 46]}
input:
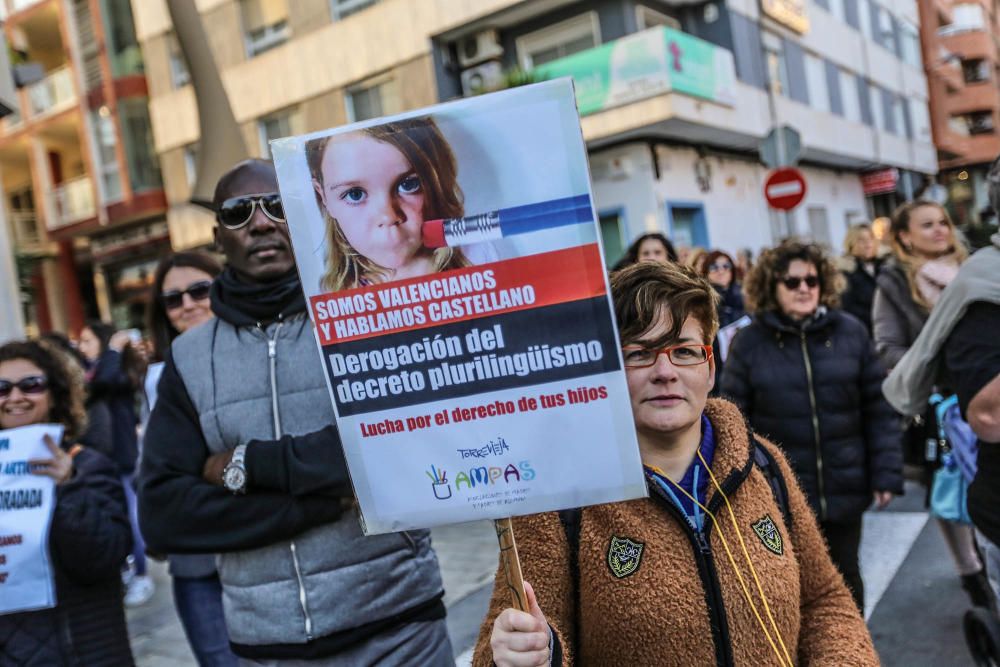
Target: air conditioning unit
{"type": "Point", "coordinates": [474, 49]}
{"type": "Point", "coordinates": [481, 78]}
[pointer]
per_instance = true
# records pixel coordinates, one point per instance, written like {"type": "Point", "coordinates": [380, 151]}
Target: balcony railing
{"type": "Point", "coordinates": [18, 5]}
{"type": "Point", "coordinates": [646, 64]}
{"type": "Point", "coordinates": [10, 123]}
{"type": "Point", "coordinates": [53, 93]}
{"type": "Point", "coordinates": [25, 226]}
{"type": "Point", "coordinates": [73, 201]}
{"type": "Point", "coordinates": [959, 28]}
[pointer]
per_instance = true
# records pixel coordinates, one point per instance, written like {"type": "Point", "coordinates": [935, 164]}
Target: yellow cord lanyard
{"type": "Point", "coordinates": [784, 659]}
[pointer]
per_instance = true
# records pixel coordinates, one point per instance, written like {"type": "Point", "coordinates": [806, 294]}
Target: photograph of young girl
{"type": "Point", "coordinates": [376, 187]}
{"type": "Point", "coordinates": [364, 203]}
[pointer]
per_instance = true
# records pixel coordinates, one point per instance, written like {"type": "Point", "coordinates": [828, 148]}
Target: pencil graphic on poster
{"type": "Point", "coordinates": [505, 222]}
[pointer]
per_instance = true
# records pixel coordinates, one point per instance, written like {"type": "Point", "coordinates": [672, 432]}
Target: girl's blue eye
{"type": "Point", "coordinates": [354, 195]}
{"type": "Point", "coordinates": [409, 185]}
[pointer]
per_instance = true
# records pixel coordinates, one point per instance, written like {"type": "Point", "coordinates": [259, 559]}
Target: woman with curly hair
{"type": "Point", "coordinates": [90, 534]}
{"type": "Point", "coordinates": [926, 256]}
{"type": "Point", "coordinates": [806, 374]}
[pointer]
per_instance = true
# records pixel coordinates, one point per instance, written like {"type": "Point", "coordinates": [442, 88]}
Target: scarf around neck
{"type": "Point", "coordinates": [934, 276]}
{"type": "Point", "coordinates": [241, 303]}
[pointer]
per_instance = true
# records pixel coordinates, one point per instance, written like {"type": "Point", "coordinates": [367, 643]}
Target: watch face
{"type": "Point", "coordinates": [234, 478]}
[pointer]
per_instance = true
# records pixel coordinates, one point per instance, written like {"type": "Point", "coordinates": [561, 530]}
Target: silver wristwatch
{"type": "Point", "coordinates": [234, 475]}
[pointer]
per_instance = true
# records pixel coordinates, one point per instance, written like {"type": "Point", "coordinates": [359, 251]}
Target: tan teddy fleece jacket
{"type": "Point", "coordinates": [661, 613]}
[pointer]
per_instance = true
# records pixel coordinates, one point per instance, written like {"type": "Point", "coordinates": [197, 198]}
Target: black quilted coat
{"type": "Point", "coordinates": [88, 542]}
{"type": "Point", "coordinates": [816, 391]}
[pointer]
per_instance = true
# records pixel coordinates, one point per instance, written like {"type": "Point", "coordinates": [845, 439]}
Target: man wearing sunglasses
{"type": "Point", "coordinates": [242, 459]}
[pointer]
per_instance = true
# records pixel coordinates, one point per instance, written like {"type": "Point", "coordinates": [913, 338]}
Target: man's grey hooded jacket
{"type": "Point", "coordinates": [295, 566]}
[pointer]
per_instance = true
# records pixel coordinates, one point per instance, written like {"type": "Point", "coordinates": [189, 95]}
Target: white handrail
{"type": "Point", "coordinates": [73, 201]}
{"type": "Point", "coordinates": [53, 92]}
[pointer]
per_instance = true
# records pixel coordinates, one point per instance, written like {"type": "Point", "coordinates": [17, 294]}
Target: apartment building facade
{"type": "Point", "coordinates": [845, 74]}
{"type": "Point", "coordinates": [961, 51]}
{"type": "Point", "coordinates": [679, 157]}
{"type": "Point", "coordinates": [82, 195]}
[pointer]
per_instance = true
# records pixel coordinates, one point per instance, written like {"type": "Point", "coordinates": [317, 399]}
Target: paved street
{"type": "Point", "coordinates": [915, 604]}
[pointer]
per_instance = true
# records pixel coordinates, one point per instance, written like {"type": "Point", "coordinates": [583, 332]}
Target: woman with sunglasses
{"type": "Point", "coordinates": [720, 270]}
{"type": "Point", "coordinates": [806, 374]}
{"type": "Point", "coordinates": [90, 534]}
{"type": "Point", "coordinates": [179, 302]}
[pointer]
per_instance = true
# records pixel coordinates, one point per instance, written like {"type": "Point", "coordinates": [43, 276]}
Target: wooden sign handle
{"type": "Point", "coordinates": [511, 563]}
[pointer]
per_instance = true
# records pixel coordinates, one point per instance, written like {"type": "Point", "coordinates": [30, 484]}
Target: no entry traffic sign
{"type": "Point", "coordinates": [785, 188]}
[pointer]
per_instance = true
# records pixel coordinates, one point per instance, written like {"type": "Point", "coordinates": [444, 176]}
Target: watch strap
{"type": "Point", "coordinates": [239, 455]}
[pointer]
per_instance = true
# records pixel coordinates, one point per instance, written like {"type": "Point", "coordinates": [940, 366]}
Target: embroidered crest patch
{"type": "Point", "coordinates": [768, 534]}
{"type": "Point", "coordinates": [624, 556]}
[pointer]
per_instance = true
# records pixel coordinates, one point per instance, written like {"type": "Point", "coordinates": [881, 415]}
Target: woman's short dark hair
{"type": "Point", "coordinates": [761, 285]}
{"type": "Point", "coordinates": [65, 387]}
{"type": "Point", "coordinates": [644, 291]}
{"type": "Point", "coordinates": [631, 255]}
{"type": "Point", "coordinates": [161, 331]}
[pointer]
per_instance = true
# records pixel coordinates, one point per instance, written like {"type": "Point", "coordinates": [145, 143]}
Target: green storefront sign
{"type": "Point", "coordinates": [648, 63]}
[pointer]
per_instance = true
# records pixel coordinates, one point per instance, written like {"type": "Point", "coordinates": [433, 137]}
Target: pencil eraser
{"type": "Point", "coordinates": [432, 234]}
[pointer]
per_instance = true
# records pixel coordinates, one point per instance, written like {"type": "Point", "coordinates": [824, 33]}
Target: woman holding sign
{"type": "Point", "coordinates": [722, 564]}
{"type": "Point", "coordinates": [90, 534]}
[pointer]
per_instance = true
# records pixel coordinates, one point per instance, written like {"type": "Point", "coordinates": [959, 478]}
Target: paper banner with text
{"type": "Point", "coordinates": [26, 505]}
{"type": "Point", "coordinates": [455, 280]}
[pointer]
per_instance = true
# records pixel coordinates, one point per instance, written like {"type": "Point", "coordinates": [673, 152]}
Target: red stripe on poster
{"type": "Point", "coordinates": [462, 294]}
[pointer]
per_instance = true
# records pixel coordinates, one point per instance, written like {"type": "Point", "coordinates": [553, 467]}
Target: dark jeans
{"type": "Point", "coordinates": [199, 604]}
{"type": "Point", "coordinates": [844, 539]}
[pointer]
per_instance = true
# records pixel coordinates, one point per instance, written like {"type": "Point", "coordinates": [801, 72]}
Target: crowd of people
{"type": "Point", "coordinates": [760, 393]}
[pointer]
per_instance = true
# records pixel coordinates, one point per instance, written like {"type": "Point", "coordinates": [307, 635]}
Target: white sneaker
{"type": "Point", "coordinates": [139, 591]}
{"type": "Point", "coordinates": [128, 570]}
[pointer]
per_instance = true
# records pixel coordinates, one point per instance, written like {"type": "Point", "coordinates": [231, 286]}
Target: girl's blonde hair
{"type": "Point", "coordinates": [425, 148]}
{"type": "Point", "coordinates": [910, 262]}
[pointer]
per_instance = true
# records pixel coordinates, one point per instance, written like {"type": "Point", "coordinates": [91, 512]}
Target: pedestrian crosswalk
{"type": "Point", "coordinates": [886, 539]}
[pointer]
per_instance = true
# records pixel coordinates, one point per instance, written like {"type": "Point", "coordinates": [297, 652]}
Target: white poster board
{"type": "Point", "coordinates": [26, 505]}
{"type": "Point", "coordinates": [474, 365]}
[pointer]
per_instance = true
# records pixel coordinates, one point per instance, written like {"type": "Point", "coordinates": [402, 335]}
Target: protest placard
{"type": "Point", "coordinates": [26, 504]}
{"type": "Point", "coordinates": [451, 262]}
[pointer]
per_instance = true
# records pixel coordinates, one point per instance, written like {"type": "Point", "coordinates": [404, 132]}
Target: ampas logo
{"type": "Point", "coordinates": [479, 477]}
